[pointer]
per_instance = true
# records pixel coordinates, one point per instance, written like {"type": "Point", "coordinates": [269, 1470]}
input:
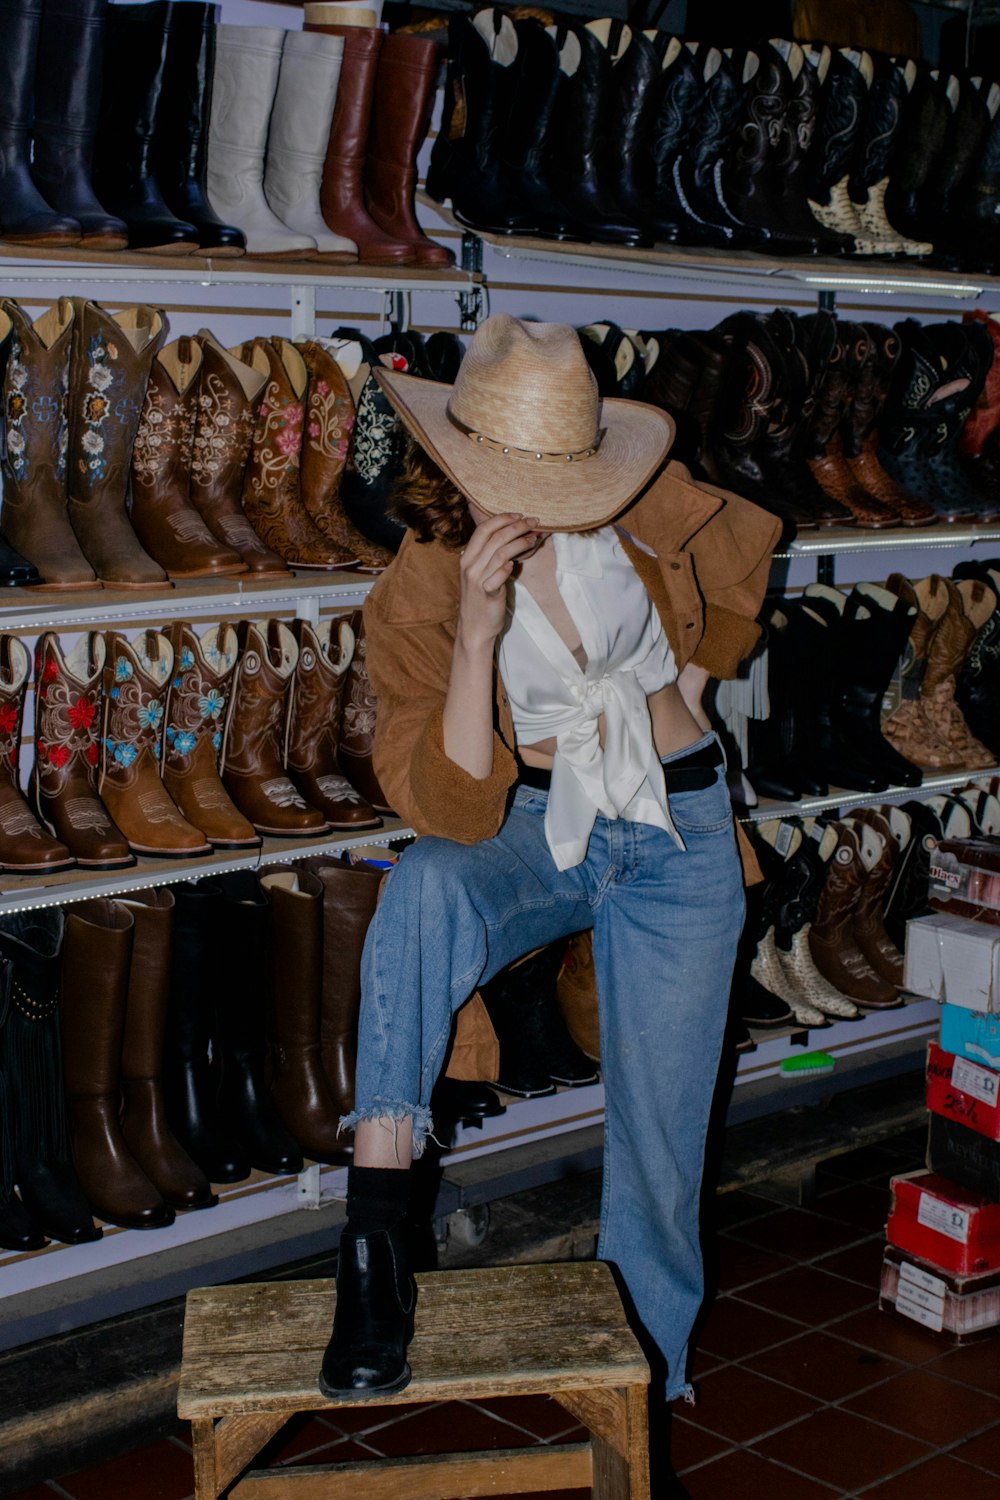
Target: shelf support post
{"type": "Point", "coordinates": [470, 303]}
{"type": "Point", "coordinates": [303, 312]}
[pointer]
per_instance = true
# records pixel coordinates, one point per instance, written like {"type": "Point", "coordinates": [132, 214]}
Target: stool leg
{"type": "Point", "coordinates": [619, 1476]}
{"type": "Point", "coordinates": [206, 1485]}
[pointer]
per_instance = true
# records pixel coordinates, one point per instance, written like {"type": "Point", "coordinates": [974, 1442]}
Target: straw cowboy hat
{"type": "Point", "coordinates": [523, 429]}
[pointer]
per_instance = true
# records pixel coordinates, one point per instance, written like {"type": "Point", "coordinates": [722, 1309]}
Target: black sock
{"type": "Point", "coordinates": [377, 1198]}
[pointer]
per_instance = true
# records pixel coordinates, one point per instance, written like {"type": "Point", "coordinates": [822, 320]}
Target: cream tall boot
{"type": "Point", "coordinates": [247, 62]}
{"type": "Point", "coordinates": [298, 138]}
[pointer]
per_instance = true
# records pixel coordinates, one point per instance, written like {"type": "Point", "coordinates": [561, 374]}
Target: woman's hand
{"type": "Point", "coordinates": [488, 560]}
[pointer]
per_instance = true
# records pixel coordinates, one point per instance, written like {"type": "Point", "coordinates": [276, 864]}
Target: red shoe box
{"type": "Point", "coordinates": [963, 1091]}
{"type": "Point", "coordinates": [949, 1226]}
{"type": "Point", "coordinates": [960, 1308]}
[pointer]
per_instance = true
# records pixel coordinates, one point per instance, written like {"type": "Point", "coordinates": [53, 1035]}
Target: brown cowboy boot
{"type": "Point", "coordinates": [299, 1085]}
{"type": "Point", "coordinates": [970, 604]}
{"type": "Point", "coordinates": [35, 385]}
{"type": "Point", "coordinates": [357, 731]}
{"type": "Point", "coordinates": [144, 1123]}
{"type": "Point", "coordinates": [24, 844]}
{"type": "Point", "coordinates": [826, 456]}
{"type": "Point", "coordinates": [97, 952]}
{"type": "Point", "coordinates": [192, 735]}
{"type": "Point", "coordinates": [908, 727]}
{"type": "Point", "coordinates": [164, 519]}
{"type": "Point", "coordinates": [63, 787]}
{"type": "Point", "coordinates": [271, 485]}
{"type": "Point", "coordinates": [878, 358]}
{"type": "Point", "coordinates": [253, 770]}
{"type": "Point", "coordinates": [832, 943]}
{"type": "Point", "coordinates": [109, 367]}
{"type": "Point", "coordinates": [314, 713]}
{"type": "Point", "coordinates": [880, 855]}
{"type": "Point", "coordinates": [136, 679]}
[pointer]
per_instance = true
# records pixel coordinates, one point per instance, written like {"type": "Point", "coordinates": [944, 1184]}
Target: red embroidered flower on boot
{"type": "Point", "coordinates": [8, 718]}
{"type": "Point", "coordinates": [81, 713]}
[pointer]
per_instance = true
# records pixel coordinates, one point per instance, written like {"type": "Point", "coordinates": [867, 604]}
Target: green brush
{"type": "Point", "coordinates": [808, 1063]}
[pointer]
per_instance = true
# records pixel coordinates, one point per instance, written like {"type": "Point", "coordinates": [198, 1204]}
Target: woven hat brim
{"type": "Point", "coordinates": [562, 496]}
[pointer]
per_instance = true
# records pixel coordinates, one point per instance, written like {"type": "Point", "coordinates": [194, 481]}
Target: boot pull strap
{"type": "Point", "coordinates": [274, 642]}
{"type": "Point", "coordinates": [6, 663]}
{"type": "Point", "coordinates": [92, 638]}
{"type": "Point", "coordinates": [152, 645]}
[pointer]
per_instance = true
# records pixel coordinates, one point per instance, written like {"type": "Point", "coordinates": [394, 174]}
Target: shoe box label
{"type": "Point", "coordinates": [934, 1286]}
{"type": "Point", "coordinates": [944, 1218]}
{"type": "Point", "coordinates": [932, 1318]}
{"type": "Point", "coordinates": [963, 1091]}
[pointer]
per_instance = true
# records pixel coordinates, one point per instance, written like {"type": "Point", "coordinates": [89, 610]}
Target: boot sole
{"type": "Point", "coordinates": [293, 833]}
{"type": "Point", "coordinates": [130, 586]}
{"type": "Point", "coordinates": [353, 1395]}
{"type": "Point", "coordinates": [50, 869]}
{"type": "Point", "coordinates": [210, 573]}
{"type": "Point", "coordinates": [236, 843]}
{"type": "Point", "coordinates": [171, 853]}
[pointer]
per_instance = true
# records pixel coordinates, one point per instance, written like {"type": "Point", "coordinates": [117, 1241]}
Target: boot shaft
{"type": "Point", "coordinates": [109, 368]}
{"type": "Point", "coordinates": [843, 90]}
{"type": "Point", "coordinates": [229, 395]}
{"type": "Point", "coordinates": [96, 956]}
{"type": "Point", "coordinates": [255, 734]}
{"type": "Point", "coordinates": [15, 665]}
{"type": "Point", "coordinates": [31, 948]}
{"type": "Point", "coordinates": [180, 146]}
{"type": "Point", "coordinates": [164, 440]}
{"type": "Point", "coordinates": [36, 396]}
{"type": "Point", "coordinates": [861, 370]}
{"type": "Point", "coordinates": [20, 26]}
{"type": "Point", "coordinates": [296, 901]}
{"type": "Point", "coordinates": [68, 707]}
{"type": "Point", "coordinates": [148, 993]}
{"type": "Point", "coordinates": [68, 80]}
{"type": "Point", "coordinates": [136, 682]}
{"type": "Point", "coordinates": [317, 692]}
{"type": "Point", "coordinates": [197, 698]}
{"type": "Point", "coordinates": [135, 56]}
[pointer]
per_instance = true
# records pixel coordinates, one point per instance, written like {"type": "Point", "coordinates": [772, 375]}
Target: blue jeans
{"type": "Point", "coordinates": [665, 922]}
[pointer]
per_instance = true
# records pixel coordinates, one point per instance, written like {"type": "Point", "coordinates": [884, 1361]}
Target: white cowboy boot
{"type": "Point", "coordinates": [247, 60]}
{"type": "Point", "coordinates": [299, 135]}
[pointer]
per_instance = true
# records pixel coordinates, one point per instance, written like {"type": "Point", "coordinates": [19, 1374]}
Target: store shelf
{"type": "Point", "coordinates": [932, 785]}
{"type": "Point", "coordinates": [27, 609]}
{"type": "Point", "coordinates": [811, 543]}
{"type": "Point", "coordinates": [22, 892]}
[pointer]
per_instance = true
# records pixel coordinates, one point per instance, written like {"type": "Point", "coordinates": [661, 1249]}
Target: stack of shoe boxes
{"type": "Point", "coordinates": [942, 1263]}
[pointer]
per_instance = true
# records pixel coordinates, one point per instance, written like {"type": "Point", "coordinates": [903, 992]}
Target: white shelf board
{"type": "Point", "coordinates": [836, 541]}
{"type": "Point", "coordinates": [932, 785]}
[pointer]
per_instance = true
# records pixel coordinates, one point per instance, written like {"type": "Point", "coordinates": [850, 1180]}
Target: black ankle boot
{"type": "Point", "coordinates": [373, 1323]}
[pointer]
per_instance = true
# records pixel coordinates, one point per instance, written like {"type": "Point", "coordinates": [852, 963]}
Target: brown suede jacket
{"type": "Point", "coordinates": [704, 555]}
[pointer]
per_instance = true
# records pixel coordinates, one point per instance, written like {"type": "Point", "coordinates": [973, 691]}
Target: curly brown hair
{"type": "Point", "coordinates": [424, 498]}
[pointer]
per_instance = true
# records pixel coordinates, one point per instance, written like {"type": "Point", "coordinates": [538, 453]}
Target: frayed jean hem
{"type": "Point", "coordinates": [392, 1112]}
{"type": "Point", "coordinates": [682, 1393]}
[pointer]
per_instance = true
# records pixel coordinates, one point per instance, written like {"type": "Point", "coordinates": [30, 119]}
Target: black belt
{"type": "Point", "coordinates": [688, 773]}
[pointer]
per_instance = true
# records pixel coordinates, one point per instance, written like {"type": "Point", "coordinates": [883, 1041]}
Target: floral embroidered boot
{"type": "Point", "coordinates": [229, 394]}
{"type": "Point", "coordinates": [35, 387]}
{"type": "Point", "coordinates": [160, 508]}
{"type": "Point", "coordinates": [63, 789]}
{"type": "Point", "coordinates": [253, 769]}
{"type": "Point", "coordinates": [109, 368]}
{"type": "Point", "coordinates": [330, 417]}
{"type": "Point", "coordinates": [314, 721]}
{"type": "Point", "coordinates": [271, 488]}
{"type": "Point", "coordinates": [136, 679]}
{"type": "Point", "coordinates": [357, 730]}
{"type": "Point", "coordinates": [192, 736]}
{"type": "Point", "coordinates": [24, 844]}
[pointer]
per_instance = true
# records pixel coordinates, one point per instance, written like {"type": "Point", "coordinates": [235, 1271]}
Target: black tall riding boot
{"type": "Point", "coordinates": [31, 949]}
{"type": "Point", "coordinates": [180, 140]}
{"type": "Point", "coordinates": [535, 92]}
{"type": "Point", "coordinates": [536, 1050]}
{"type": "Point", "coordinates": [67, 100]}
{"type": "Point", "coordinates": [18, 1231]}
{"type": "Point", "coordinates": [26, 217]}
{"type": "Point", "coordinates": [134, 68]}
{"type": "Point", "coordinates": [190, 1077]}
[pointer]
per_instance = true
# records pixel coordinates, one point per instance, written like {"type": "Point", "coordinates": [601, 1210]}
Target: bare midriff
{"type": "Point", "coordinates": [674, 728]}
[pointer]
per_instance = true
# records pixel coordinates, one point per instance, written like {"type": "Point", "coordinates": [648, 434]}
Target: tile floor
{"type": "Point", "coordinates": [805, 1390]}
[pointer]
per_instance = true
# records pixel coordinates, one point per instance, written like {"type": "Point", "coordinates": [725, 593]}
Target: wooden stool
{"type": "Point", "coordinates": [252, 1354]}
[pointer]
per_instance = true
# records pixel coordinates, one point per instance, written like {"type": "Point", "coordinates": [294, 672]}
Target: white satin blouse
{"type": "Point", "coordinates": [551, 695]}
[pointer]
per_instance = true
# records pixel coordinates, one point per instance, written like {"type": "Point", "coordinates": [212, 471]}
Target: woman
{"type": "Point", "coordinates": [539, 675]}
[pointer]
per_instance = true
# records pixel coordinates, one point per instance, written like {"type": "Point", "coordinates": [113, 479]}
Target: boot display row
{"type": "Point", "coordinates": [177, 743]}
{"type": "Point", "coordinates": [602, 133]}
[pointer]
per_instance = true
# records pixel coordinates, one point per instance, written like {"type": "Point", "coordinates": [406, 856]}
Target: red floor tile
{"type": "Point", "coordinates": [900, 1337]}
{"type": "Point", "coordinates": [865, 1205]}
{"type": "Point", "coordinates": [927, 1407]}
{"type": "Point", "coordinates": [161, 1472]}
{"type": "Point", "coordinates": [734, 1328]}
{"type": "Point", "coordinates": [798, 1232]}
{"type": "Point", "coordinates": [842, 1450]}
{"type": "Point", "coordinates": [975, 1364]}
{"type": "Point", "coordinates": [541, 1415]}
{"type": "Point", "coordinates": [448, 1427]}
{"type": "Point", "coordinates": [983, 1451]}
{"type": "Point", "coordinates": [737, 1264]}
{"type": "Point", "coordinates": [740, 1405]}
{"type": "Point", "coordinates": [691, 1445]}
{"type": "Point", "coordinates": [736, 1208]}
{"type": "Point", "coordinates": [825, 1367]}
{"type": "Point", "coordinates": [861, 1263]}
{"type": "Point", "coordinates": [741, 1475]}
{"type": "Point", "coordinates": [938, 1477]}
{"type": "Point", "coordinates": [813, 1297]}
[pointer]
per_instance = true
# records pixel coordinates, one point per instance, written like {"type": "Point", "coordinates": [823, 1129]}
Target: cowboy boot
{"type": "Point", "coordinates": [247, 64]}
{"type": "Point", "coordinates": [271, 498]}
{"type": "Point", "coordinates": [330, 416]}
{"type": "Point", "coordinates": [576, 992]}
{"type": "Point", "coordinates": [880, 855]}
{"type": "Point", "coordinates": [357, 729]}
{"type": "Point", "coordinates": [536, 1050]}
{"type": "Point", "coordinates": [907, 726]}
{"type": "Point", "coordinates": [858, 371]}
{"type": "Point", "coordinates": [160, 509]}
{"type": "Point", "coordinates": [677, 86]}
{"type": "Point", "coordinates": [341, 194]}
{"type": "Point", "coordinates": [907, 895]}
{"type": "Point", "coordinates": [25, 847]}
{"type": "Point", "coordinates": [31, 948]}
{"type": "Point", "coordinates": [135, 56]}
{"type": "Point", "coordinates": [926, 109]}
{"type": "Point", "coordinates": [350, 895]}
{"type": "Point", "coordinates": [824, 450]}
{"type": "Point", "coordinates": [978, 199]}
{"type": "Point", "coordinates": [983, 421]}
{"type": "Point", "coordinates": [67, 102]}
{"type": "Point", "coordinates": [787, 194]}
{"type": "Point", "coordinates": [193, 721]}
{"type": "Point", "coordinates": [965, 142]}
{"type": "Point", "coordinates": [180, 139]}
{"type": "Point", "coordinates": [109, 368]}
{"type": "Point", "coordinates": [314, 715]}
{"type": "Point", "coordinates": [26, 218]}
{"type": "Point", "coordinates": [708, 218]}
{"type": "Point", "coordinates": [63, 787]}
{"type": "Point", "coordinates": [145, 1130]}
{"type": "Point", "coordinates": [831, 940]}
{"type": "Point", "coordinates": [375, 457]}
{"type": "Point", "coordinates": [136, 679]}
{"type": "Point", "coordinates": [401, 115]}
{"type": "Point", "coordinates": [843, 88]}
{"type": "Point", "coordinates": [977, 687]}
{"type": "Point", "coordinates": [35, 388]}
{"type": "Point", "coordinates": [190, 1058]}
{"type": "Point", "coordinates": [18, 1230]}
{"type": "Point", "coordinates": [870, 363]}
{"type": "Point", "coordinates": [297, 137]}
{"type": "Point", "coordinates": [971, 603]}
{"type": "Point", "coordinates": [253, 770]}
{"type": "Point", "coordinates": [229, 394]}
{"type": "Point", "coordinates": [95, 982]}
{"type": "Point", "coordinates": [241, 1029]}
{"type": "Point", "coordinates": [15, 570]}
{"type": "Point", "coordinates": [299, 1087]}
{"type": "Point", "coordinates": [793, 900]}
{"type": "Point", "coordinates": [869, 179]}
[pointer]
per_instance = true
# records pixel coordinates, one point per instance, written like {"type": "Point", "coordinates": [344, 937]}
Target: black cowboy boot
{"type": "Point", "coordinates": [706, 216]}
{"type": "Point", "coordinates": [979, 202]}
{"type": "Point", "coordinates": [883, 113]}
{"type": "Point", "coordinates": [679, 88]}
{"type": "Point", "coordinates": [18, 1231]}
{"type": "Point", "coordinates": [789, 174]}
{"type": "Point", "coordinates": [67, 100]}
{"type": "Point", "coordinates": [926, 110]}
{"type": "Point", "coordinates": [377, 445]}
{"type": "Point", "coordinates": [977, 689]}
{"type": "Point", "coordinates": [536, 1050]}
{"type": "Point", "coordinates": [955, 170]}
{"type": "Point", "coordinates": [685, 381]}
{"type": "Point", "coordinates": [26, 217]}
{"type": "Point", "coordinates": [840, 107]}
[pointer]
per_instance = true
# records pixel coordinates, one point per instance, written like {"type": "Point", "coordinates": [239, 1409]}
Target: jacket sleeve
{"type": "Point", "coordinates": [732, 561]}
{"type": "Point", "coordinates": [409, 668]}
